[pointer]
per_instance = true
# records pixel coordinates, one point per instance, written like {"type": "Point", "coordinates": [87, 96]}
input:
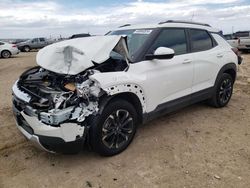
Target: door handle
{"type": "Point", "coordinates": [186, 61]}
{"type": "Point", "coordinates": [219, 55]}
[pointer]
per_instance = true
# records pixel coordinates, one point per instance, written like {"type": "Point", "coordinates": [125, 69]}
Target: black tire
{"type": "Point", "coordinates": [5, 54]}
{"type": "Point", "coordinates": [223, 91]}
{"type": "Point", "coordinates": [26, 49]}
{"type": "Point", "coordinates": [110, 135]}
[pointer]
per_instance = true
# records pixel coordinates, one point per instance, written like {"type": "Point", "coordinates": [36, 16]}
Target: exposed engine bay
{"type": "Point", "coordinates": [55, 98]}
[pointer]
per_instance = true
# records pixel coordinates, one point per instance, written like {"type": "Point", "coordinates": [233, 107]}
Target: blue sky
{"type": "Point", "coordinates": [32, 18]}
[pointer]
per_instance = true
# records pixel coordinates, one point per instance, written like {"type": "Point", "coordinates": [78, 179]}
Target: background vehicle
{"type": "Point", "coordinates": [35, 43]}
{"type": "Point", "coordinates": [100, 88]}
{"type": "Point", "coordinates": [240, 40]}
{"type": "Point", "coordinates": [80, 35]}
{"type": "Point", "coordinates": [232, 40]}
{"type": "Point", "coordinates": [16, 41]}
{"type": "Point", "coordinates": [244, 40]}
{"type": "Point", "coordinates": [7, 50]}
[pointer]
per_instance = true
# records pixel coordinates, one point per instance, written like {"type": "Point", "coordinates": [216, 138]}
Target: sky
{"type": "Point", "coordinates": [43, 18]}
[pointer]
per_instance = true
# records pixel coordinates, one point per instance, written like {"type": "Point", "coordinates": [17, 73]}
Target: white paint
{"type": "Point", "coordinates": [97, 49]}
{"type": "Point", "coordinates": [66, 131]}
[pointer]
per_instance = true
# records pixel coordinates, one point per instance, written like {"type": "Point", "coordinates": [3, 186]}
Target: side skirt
{"type": "Point", "coordinates": [177, 104]}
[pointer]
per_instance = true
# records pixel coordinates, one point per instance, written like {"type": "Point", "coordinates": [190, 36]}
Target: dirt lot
{"type": "Point", "coordinates": [198, 146]}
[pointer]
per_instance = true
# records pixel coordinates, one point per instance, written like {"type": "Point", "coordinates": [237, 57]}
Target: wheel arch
{"type": "Point", "coordinates": [26, 45]}
{"type": "Point", "coordinates": [230, 69]}
{"type": "Point", "coordinates": [127, 96]}
{"type": "Point", "coordinates": [4, 51]}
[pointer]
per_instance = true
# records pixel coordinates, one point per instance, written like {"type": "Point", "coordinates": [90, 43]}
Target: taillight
{"type": "Point", "coordinates": [14, 46]}
{"type": "Point", "coordinates": [237, 52]}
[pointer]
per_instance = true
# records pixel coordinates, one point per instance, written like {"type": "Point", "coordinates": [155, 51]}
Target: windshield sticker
{"type": "Point", "coordinates": [143, 32]}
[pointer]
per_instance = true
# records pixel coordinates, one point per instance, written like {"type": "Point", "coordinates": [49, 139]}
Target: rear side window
{"type": "Point", "coordinates": [42, 39]}
{"type": "Point", "coordinates": [171, 38]}
{"type": "Point", "coordinates": [200, 40]}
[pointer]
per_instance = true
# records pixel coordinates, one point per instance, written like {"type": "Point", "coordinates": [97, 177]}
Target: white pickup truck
{"type": "Point", "coordinates": [240, 40]}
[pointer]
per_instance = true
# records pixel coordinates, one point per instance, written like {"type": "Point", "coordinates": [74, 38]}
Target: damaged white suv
{"type": "Point", "coordinates": [96, 90]}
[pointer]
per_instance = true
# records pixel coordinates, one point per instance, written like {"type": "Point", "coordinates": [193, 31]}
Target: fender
{"type": "Point", "coordinates": [225, 68]}
{"type": "Point", "coordinates": [119, 83]}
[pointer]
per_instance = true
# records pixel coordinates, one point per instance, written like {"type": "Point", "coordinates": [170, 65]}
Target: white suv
{"type": "Point", "coordinates": [96, 90]}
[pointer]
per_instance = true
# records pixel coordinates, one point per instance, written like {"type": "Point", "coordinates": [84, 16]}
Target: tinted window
{"type": "Point", "coordinates": [200, 40]}
{"type": "Point", "coordinates": [171, 38]}
{"type": "Point", "coordinates": [42, 39]}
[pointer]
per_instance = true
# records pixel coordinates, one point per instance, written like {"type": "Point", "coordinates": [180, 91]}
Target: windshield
{"type": "Point", "coordinates": [135, 39]}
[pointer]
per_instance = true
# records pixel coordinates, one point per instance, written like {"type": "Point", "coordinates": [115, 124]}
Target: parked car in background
{"type": "Point", "coordinates": [240, 40]}
{"type": "Point", "coordinates": [7, 49]}
{"type": "Point", "coordinates": [35, 43]}
{"type": "Point", "coordinates": [16, 41]}
{"type": "Point", "coordinates": [98, 89]}
{"type": "Point", "coordinates": [232, 40]}
{"type": "Point", "coordinates": [243, 40]}
{"type": "Point", "coordinates": [80, 35]}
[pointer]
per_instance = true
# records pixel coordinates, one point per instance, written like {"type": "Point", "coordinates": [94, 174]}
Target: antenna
{"type": "Point", "coordinates": [192, 17]}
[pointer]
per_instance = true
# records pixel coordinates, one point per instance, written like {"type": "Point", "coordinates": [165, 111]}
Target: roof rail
{"type": "Point", "coordinates": [187, 22]}
{"type": "Point", "coordinates": [125, 25]}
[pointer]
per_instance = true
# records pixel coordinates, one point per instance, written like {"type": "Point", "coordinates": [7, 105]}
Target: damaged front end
{"type": "Point", "coordinates": [51, 108]}
{"type": "Point", "coordinates": [52, 102]}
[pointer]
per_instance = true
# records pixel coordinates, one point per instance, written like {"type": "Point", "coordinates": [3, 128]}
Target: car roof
{"type": "Point", "coordinates": [170, 24]}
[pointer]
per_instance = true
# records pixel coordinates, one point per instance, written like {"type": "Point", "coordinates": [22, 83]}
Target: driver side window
{"type": "Point", "coordinates": [171, 38]}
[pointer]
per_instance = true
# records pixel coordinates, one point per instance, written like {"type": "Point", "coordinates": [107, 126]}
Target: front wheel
{"type": "Point", "coordinates": [113, 130]}
{"type": "Point", "coordinates": [223, 91]}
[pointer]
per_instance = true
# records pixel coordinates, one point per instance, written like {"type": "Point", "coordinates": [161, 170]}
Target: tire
{"type": "Point", "coordinates": [5, 54]}
{"type": "Point", "coordinates": [110, 135]}
{"type": "Point", "coordinates": [26, 49]}
{"type": "Point", "coordinates": [223, 91]}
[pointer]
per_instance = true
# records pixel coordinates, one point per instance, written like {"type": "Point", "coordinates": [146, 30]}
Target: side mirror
{"type": "Point", "coordinates": [161, 53]}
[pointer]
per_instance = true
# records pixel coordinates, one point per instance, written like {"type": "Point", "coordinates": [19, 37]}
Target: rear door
{"type": "Point", "coordinates": [34, 43]}
{"type": "Point", "coordinates": [42, 42]}
{"type": "Point", "coordinates": [208, 57]}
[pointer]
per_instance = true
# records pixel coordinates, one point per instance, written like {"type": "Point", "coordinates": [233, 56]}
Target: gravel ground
{"type": "Point", "coordinates": [198, 146]}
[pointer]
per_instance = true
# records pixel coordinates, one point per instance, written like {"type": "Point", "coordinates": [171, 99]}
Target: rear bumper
{"type": "Point", "coordinates": [15, 51]}
{"type": "Point", "coordinates": [66, 138]}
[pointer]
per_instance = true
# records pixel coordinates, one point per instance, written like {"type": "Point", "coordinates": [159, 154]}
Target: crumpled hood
{"type": "Point", "coordinates": [76, 55]}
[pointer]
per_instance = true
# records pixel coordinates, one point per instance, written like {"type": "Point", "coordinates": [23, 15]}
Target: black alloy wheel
{"type": "Point", "coordinates": [117, 129]}
{"type": "Point", "coordinates": [114, 128]}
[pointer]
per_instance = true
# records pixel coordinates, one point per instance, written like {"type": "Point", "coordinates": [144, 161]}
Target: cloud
{"type": "Point", "coordinates": [46, 18]}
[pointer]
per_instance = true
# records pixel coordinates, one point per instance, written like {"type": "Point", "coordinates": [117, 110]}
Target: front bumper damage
{"type": "Point", "coordinates": [65, 137]}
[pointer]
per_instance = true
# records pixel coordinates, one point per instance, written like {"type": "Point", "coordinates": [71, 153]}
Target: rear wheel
{"type": "Point", "coordinates": [5, 54]}
{"type": "Point", "coordinates": [223, 92]}
{"type": "Point", "coordinates": [113, 130]}
{"type": "Point", "coordinates": [26, 48]}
